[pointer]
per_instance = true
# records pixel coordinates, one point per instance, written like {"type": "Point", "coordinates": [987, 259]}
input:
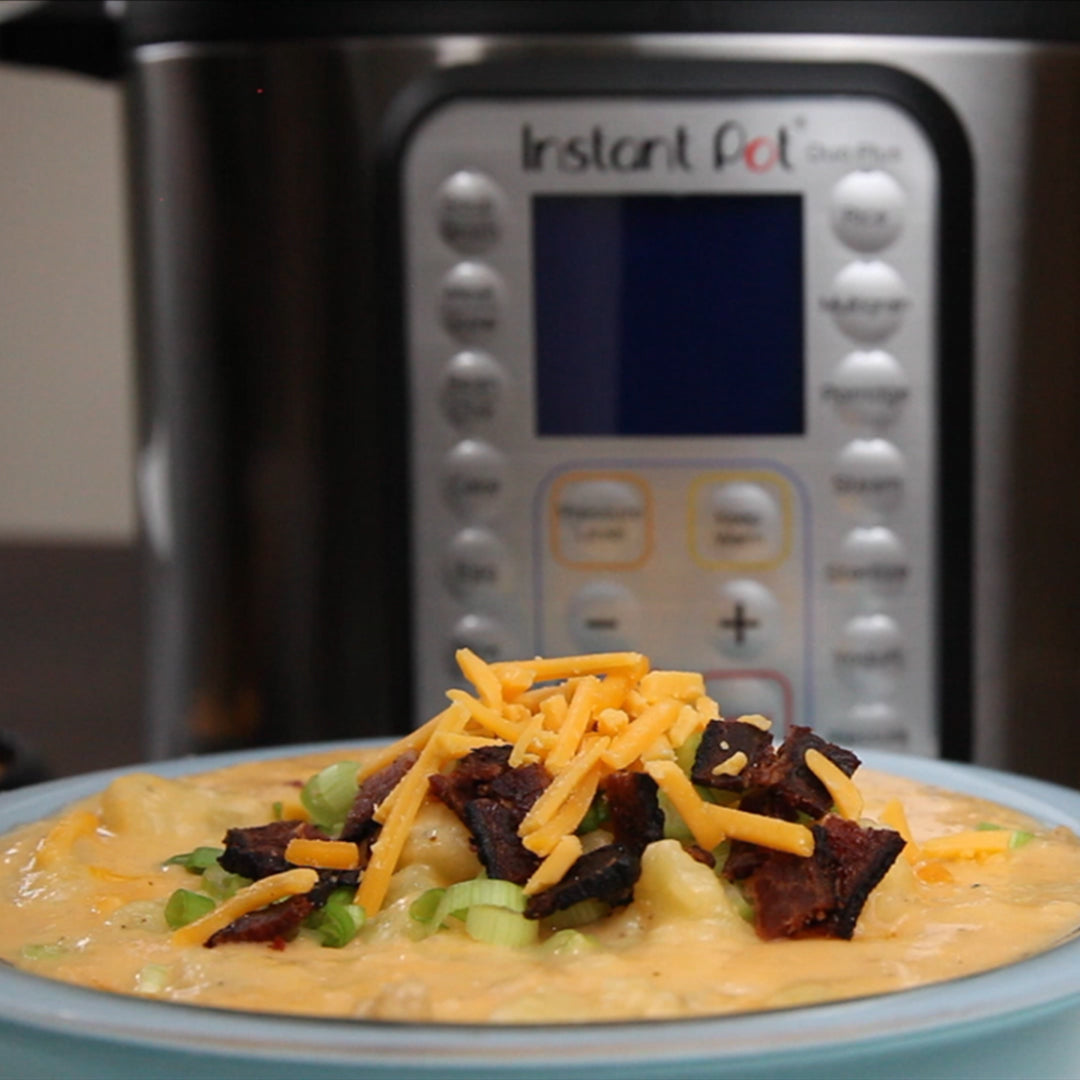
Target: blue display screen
{"type": "Point", "coordinates": [669, 314]}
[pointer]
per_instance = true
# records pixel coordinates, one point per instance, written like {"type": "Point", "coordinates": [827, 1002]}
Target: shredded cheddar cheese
{"type": "Point", "coordinates": [323, 854]}
{"type": "Point", "coordinates": [845, 795]}
{"type": "Point", "coordinates": [551, 870]}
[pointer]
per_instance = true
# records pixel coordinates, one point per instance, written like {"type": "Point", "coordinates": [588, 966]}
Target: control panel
{"type": "Point", "coordinates": [672, 369]}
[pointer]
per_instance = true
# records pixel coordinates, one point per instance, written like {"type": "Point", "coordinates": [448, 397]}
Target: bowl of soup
{"type": "Point", "coordinates": [138, 941]}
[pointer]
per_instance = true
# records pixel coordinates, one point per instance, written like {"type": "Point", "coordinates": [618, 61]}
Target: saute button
{"type": "Point", "coordinates": [486, 636]}
{"type": "Point", "coordinates": [477, 565]}
{"type": "Point", "coordinates": [870, 654]}
{"type": "Point", "coordinates": [869, 474]}
{"type": "Point", "coordinates": [868, 300]}
{"type": "Point", "coordinates": [744, 619]}
{"type": "Point", "coordinates": [470, 210]}
{"type": "Point", "coordinates": [868, 387]}
{"type": "Point", "coordinates": [605, 617]}
{"type": "Point", "coordinates": [868, 209]}
{"type": "Point", "coordinates": [472, 389]}
{"type": "Point", "coordinates": [472, 301]}
{"type": "Point", "coordinates": [473, 477]}
{"type": "Point", "coordinates": [873, 558]}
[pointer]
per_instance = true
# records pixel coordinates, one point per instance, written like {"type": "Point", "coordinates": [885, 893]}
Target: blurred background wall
{"type": "Point", "coordinates": [70, 649]}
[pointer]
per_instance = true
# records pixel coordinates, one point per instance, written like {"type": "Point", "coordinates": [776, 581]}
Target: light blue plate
{"type": "Point", "coordinates": [1019, 1021]}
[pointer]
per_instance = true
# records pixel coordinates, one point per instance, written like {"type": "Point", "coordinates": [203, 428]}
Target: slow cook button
{"type": "Point", "coordinates": [868, 300]}
{"type": "Point", "coordinates": [470, 211]}
{"type": "Point", "coordinates": [477, 566]}
{"type": "Point", "coordinates": [872, 558]}
{"type": "Point", "coordinates": [868, 210]}
{"type": "Point", "coordinates": [870, 655]}
{"type": "Point", "coordinates": [472, 296]}
{"type": "Point", "coordinates": [869, 474]}
{"type": "Point", "coordinates": [605, 617]}
{"type": "Point", "coordinates": [473, 477]}
{"type": "Point", "coordinates": [868, 387]}
{"type": "Point", "coordinates": [472, 389]}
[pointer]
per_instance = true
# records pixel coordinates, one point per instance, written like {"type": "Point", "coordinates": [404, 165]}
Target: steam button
{"type": "Point", "coordinates": [868, 210]}
{"type": "Point", "coordinates": [472, 297]}
{"type": "Point", "coordinates": [869, 474]}
{"type": "Point", "coordinates": [868, 387]}
{"type": "Point", "coordinates": [868, 300]}
{"type": "Point", "coordinates": [472, 389]}
{"type": "Point", "coordinates": [470, 212]}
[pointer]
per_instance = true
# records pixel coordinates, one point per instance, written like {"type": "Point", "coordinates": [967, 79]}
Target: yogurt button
{"type": "Point", "coordinates": [472, 297]}
{"type": "Point", "coordinates": [868, 301]}
{"type": "Point", "coordinates": [870, 655]}
{"type": "Point", "coordinates": [868, 210]}
{"type": "Point", "coordinates": [472, 389]}
{"type": "Point", "coordinates": [471, 208]}
{"type": "Point", "coordinates": [473, 478]}
{"type": "Point", "coordinates": [869, 474]}
{"type": "Point", "coordinates": [868, 387]}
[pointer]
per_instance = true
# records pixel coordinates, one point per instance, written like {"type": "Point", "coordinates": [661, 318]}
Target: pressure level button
{"type": "Point", "coordinates": [470, 212]}
{"type": "Point", "coordinates": [868, 210]}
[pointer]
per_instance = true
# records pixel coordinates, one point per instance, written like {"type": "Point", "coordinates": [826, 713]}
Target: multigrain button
{"type": "Point", "coordinates": [868, 387]}
{"type": "Point", "coordinates": [868, 210]}
{"type": "Point", "coordinates": [605, 617]}
{"type": "Point", "coordinates": [477, 566]}
{"type": "Point", "coordinates": [869, 475]}
{"type": "Point", "coordinates": [873, 558]}
{"type": "Point", "coordinates": [472, 389]}
{"type": "Point", "coordinates": [868, 300]}
{"type": "Point", "coordinates": [473, 476]}
{"type": "Point", "coordinates": [470, 212]}
{"type": "Point", "coordinates": [471, 302]}
{"type": "Point", "coordinates": [744, 618]}
{"type": "Point", "coordinates": [601, 522]}
{"type": "Point", "coordinates": [739, 522]}
{"type": "Point", "coordinates": [870, 654]}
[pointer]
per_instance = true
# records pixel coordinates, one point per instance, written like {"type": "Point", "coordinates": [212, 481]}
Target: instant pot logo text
{"type": "Point", "coordinates": [598, 150]}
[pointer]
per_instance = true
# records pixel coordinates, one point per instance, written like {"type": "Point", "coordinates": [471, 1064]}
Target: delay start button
{"type": "Point", "coordinates": [738, 522]}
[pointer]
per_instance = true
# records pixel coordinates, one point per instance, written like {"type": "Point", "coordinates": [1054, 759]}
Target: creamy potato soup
{"type": "Point", "coordinates": [580, 839]}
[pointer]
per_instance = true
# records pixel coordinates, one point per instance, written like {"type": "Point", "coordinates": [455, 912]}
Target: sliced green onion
{"type": "Point", "coordinates": [44, 952]}
{"type": "Point", "coordinates": [597, 814]}
{"type": "Point", "coordinates": [743, 908]}
{"type": "Point", "coordinates": [330, 793]}
{"type": "Point", "coordinates": [151, 979]}
{"type": "Point", "coordinates": [423, 908]}
{"type": "Point", "coordinates": [674, 826]}
{"type": "Point", "coordinates": [197, 861]}
{"type": "Point", "coordinates": [221, 883]}
{"type": "Point", "coordinates": [278, 810]}
{"type": "Point", "coordinates": [338, 921]}
{"type": "Point", "coordinates": [988, 826]}
{"type": "Point", "coordinates": [500, 926]}
{"type": "Point", "coordinates": [580, 914]}
{"type": "Point", "coordinates": [685, 754]}
{"type": "Point", "coordinates": [569, 943]}
{"type": "Point", "coordinates": [720, 854]}
{"type": "Point", "coordinates": [491, 892]}
{"type": "Point", "coordinates": [185, 906]}
{"type": "Point", "coordinates": [1019, 838]}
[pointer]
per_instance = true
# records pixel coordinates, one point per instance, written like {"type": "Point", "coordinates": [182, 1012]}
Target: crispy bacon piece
{"type": "Point", "coordinates": [722, 739]}
{"type": "Point", "coordinates": [259, 851]}
{"type": "Point", "coordinates": [606, 873]}
{"type": "Point", "coordinates": [277, 922]}
{"type": "Point", "coordinates": [494, 829]}
{"type": "Point", "coordinates": [636, 817]}
{"type": "Point", "coordinates": [360, 822]}
{"type": "Point", "coordinates": [790, 784]}
{"type": "Point", "coordinates": [492, 798]}
{"type": "Point", "coordinates": [821, 896]}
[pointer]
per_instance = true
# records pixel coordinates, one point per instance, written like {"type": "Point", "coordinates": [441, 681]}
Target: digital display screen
{"type": "Point", "coordinates": [669, 314]}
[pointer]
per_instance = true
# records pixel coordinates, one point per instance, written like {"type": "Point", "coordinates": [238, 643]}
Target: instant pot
{"type": "Point", "coordinates": [743, 334]}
